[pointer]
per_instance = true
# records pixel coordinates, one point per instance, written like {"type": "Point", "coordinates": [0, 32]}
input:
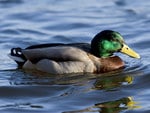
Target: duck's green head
{"type": "Point", "coordinates": [105, 43]}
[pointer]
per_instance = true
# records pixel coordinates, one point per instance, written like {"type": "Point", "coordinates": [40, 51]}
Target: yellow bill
{"type": "Point", "coordinates": [126, 50]}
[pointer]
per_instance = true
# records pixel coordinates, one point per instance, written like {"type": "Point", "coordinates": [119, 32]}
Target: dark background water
{"type": "Point", "coordinates": [27, 22]}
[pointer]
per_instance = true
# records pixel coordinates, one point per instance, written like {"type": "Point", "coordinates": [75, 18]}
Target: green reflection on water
{"type": "Point", "coordinates": [109, 83]}
{"type": "Point", "coordinates": [115, 106]}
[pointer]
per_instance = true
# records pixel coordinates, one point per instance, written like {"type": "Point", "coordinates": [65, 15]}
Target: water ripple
{"type": "Point", "coordinates": [27, 22]}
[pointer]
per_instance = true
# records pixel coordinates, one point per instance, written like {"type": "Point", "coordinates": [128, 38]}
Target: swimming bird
{"type": "Point", "coordinates": [59, 58]}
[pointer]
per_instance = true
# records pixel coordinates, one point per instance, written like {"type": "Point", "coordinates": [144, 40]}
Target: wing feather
{"type": "Point", "coordinates": [59, 53]}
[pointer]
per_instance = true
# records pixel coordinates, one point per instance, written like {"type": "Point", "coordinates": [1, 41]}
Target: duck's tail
{"type": "Point", "coordinates": [17, 55]}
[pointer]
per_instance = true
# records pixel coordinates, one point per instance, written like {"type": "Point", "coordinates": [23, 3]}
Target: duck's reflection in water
{"type": "Point", "coordinates": [112, 82]}
{"type": "Point", "coordinates": [115, 106]}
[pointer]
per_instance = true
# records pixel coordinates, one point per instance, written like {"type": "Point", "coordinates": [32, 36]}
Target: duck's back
{"type": "Point", "coordinates": [56, 51]}
{"type": "Point", "coordinates": [84, 46]}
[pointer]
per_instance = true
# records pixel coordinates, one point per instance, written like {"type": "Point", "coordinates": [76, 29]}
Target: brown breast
{"type": "Point", "coordinates": [111, 63]}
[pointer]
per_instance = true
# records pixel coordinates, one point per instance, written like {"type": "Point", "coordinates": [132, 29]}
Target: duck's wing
{"type": "Point", "coordinates": [57, 53]}
{"type": "Point", "coordinates": [20, 56]}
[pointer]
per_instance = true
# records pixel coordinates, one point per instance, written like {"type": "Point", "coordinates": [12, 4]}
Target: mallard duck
{"type": "Point", "coordinates": [58, 58]}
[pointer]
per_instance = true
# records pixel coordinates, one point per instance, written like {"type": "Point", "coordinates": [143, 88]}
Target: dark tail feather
{"type": "Point", "coordinates": [17, 56]}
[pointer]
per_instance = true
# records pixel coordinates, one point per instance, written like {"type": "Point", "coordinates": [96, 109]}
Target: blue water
{"type": "Point", "coordinates": [27, 22]}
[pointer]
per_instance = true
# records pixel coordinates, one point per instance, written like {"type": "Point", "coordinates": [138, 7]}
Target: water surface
{"type": "Point", "coordinates": [27, 22]}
